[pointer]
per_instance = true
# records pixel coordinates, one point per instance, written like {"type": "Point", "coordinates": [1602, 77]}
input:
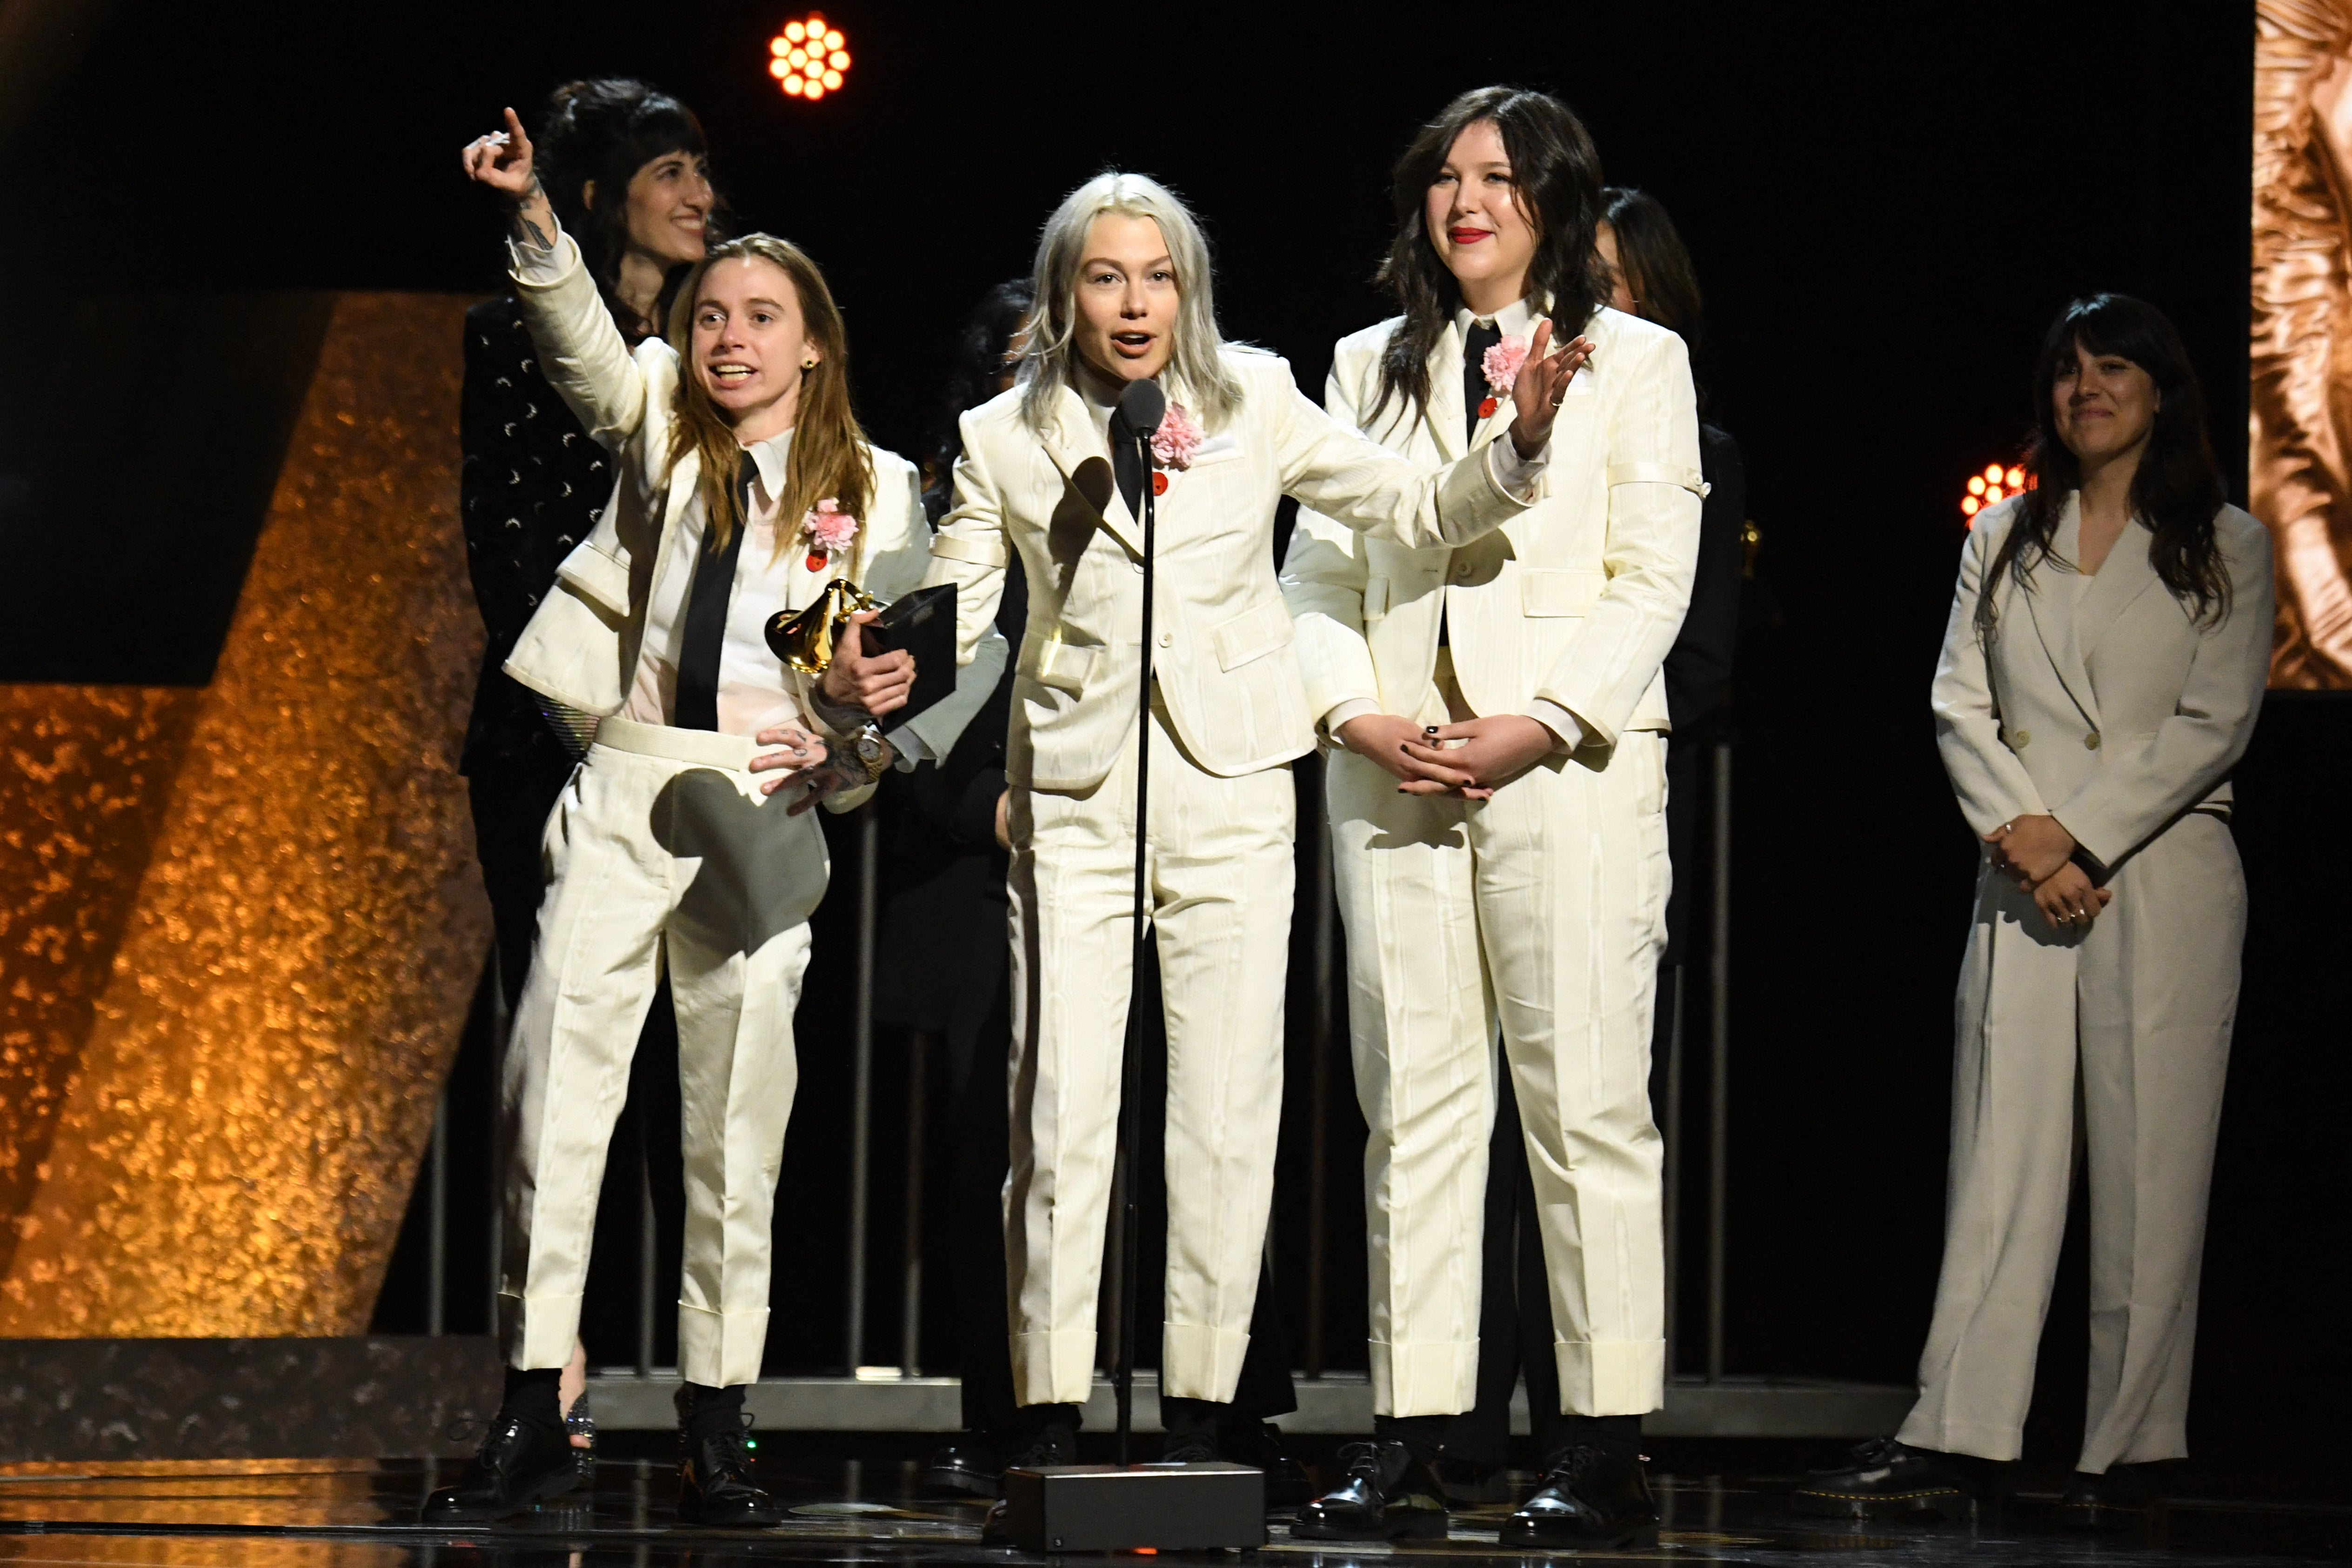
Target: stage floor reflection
{"type": "Point", "coordinates": [353, 1514]}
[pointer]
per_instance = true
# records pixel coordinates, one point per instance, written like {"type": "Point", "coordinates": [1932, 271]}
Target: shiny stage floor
{"type": "Point", "coordinates": [351, 1514]}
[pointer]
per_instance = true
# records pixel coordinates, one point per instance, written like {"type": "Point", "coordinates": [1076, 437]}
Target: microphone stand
{"type": "Point", "coordinates": [1131, 1097]}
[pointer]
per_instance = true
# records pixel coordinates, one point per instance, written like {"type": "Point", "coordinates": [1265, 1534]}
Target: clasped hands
{"type": "Point", "coordinates": [1468, 760]}
{"type": "Point", "coordinates": [2039, 853]}
{"type": "Point", "coordinates": [853, 685]}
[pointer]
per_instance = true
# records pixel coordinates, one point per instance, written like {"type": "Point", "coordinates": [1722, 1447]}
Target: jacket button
{"type": "Point", "coordinates": [1461, 572]}
{"type": "Point", "coordinates": [2091, 741]}
{"type": "Point", "coordinates": [2019, 739]}
{"type": "Point", "coordinates": [1168, 639]}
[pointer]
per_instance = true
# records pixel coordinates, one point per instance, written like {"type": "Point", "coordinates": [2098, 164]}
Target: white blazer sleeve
{"type": "Point", "coordinates": [2137, 792]}
{"type": "Point", "coordinates": [899, 569]}
{"type": "Point", "coordinates": [1352, 479]}
{"type": "Point", "coordinates": [1650, 550]}
{"type": "Point", "coordinates": [1323, 583]}
{"type": "Point", "coordinates": [581, 351]}
{"type": "Point", "coordinates": [971, 549]}
{"type": "Point", "coordinates": [1990, 781]}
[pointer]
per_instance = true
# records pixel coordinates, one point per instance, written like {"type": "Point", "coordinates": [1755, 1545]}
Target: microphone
{"type": "Point", "coordinates": [1142, 405]}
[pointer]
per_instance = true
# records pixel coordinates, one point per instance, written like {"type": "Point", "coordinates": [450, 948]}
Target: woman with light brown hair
{"type": "Point", "coordinates": [745, 487]}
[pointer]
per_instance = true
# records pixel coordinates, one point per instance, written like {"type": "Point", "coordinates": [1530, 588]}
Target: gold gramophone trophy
{"type": "Point", "coordinates": [804, 639]}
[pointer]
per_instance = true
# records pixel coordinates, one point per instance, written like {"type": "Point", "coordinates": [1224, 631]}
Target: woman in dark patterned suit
{"type": "Point", "coordinates": [626, 170]}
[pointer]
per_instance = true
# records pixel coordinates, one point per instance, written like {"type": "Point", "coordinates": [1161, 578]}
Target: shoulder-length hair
{"type": "Point", "coordinates": [601, 132]}
{"type": "Point", "coordinates": [829, 457]}
{"type": "Point", "coordinates": [1555, 176]}
{"type": "Point", "coordinates": [1046, 359]}
{"type": "Point", "coordinates": [2176, 490]}
{"type": "Point", "coordinates": [1656, 264]}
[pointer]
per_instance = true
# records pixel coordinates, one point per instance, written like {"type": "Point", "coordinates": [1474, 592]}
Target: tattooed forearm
{"type": "Point", "coordinates": [533, 219]}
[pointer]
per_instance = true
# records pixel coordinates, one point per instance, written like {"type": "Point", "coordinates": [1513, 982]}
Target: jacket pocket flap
{"type": "Point", "coordinates": [1253, 634]}
{"type": "Point", "coordinates": [598, 577]}
{"type": "Point", "coordinates": [1050, 662]}
{"type": "Point", "coordinates": [1550, 590]}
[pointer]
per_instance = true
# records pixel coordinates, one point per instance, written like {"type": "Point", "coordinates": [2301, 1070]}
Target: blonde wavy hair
{"type": "Point", "coordinates": [1047, 355]}
{"type": "Point", "coordinates": [830, 456]}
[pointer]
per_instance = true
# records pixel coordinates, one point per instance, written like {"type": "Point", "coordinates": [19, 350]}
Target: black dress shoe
{"type": "Point", "coordinates": [1051, 1441]}
{"type": "Point", "coordinates": [1883, 1479]}
{"type": "Point", "coordinates": [1258, 1444]}
{"type": "Point", "coordinates": [716, 1485]}
{"type": "Point", "coordinates": [1590, 1497]}
{"type": "Point", "coordinates": [581, 1422]}
{"type": "Point", "coordinates": [2123, 1495]}
{"type": "Point", "coordinates": [1389, 1495]}
{"type": "Point", "coordinates": [519, 1463]}
{"type": "Point", "coordinates": [965, 1465]}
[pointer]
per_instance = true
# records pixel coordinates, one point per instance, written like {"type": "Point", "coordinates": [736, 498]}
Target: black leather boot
{"type": "Point", "coordinates": [1048, 1436]}
{"type": "Point", "coordinates": [1883, 1479]}
{"type": "Point", "coordinates": [716, 1483]}
{"type": "Point", "coordinates": [521, 1461]}
{"type": "Point", "coordinates": [1190, 1430]}
{"type": "Point", "coordinates": [1590, 1497]}
{"type": "Point", "coordinates": [2122, 1496]}
{"type": "Point", "coordinates": [966, 1465]}
{"type": "Point", "coordinates": [1389, 1495]}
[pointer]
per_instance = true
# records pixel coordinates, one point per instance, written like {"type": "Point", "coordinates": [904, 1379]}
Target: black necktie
{"type": "Point", "coordinates": [1474, 391]}
{"type": "Point", "coordinates": [705, 639]}
{"type": "Point", "coordinates": [1126, 463]}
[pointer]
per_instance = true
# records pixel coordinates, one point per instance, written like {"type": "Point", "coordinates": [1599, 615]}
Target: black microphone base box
{"type": "Point", "coordinates": [1120, 1508]}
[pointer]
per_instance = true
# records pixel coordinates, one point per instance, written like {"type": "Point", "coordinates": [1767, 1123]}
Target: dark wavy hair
{"type": "Point", "coordinates": [1656, 264]}
{"type": "Point", "coordinates": [980, 364]}
{"type": "Point", "coordinates": [603, 130]}
{"type": "Point", "coordinates": [1557, 178]}
{"type": "Point", "coordinates": [2176, 490]}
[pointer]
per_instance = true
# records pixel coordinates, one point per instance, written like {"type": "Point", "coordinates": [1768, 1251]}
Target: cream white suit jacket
{"type": "Point", "coordinates": [2113, 713]}
{"type": "Point", "coordinates": [1223, 657]}
{"type": "Point", "coordinates": [1577, 601]}
{"type": "Point", "coordinates": [581, 647]}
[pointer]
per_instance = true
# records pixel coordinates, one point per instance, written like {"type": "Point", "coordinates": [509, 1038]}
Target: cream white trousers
{"type": "Point", "coordinates": [1541, 910]}
{"type": "Point", "coordinates": [661, 849]}
{"type": "Point", "coordinates": [1219, 876]}
{"type": "Point", "coordinates": [2138, 1010]}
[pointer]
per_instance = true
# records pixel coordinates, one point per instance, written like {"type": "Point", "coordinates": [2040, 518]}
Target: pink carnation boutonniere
{"type": "Point", "coordinates": [1502, 367]}
{"type": "Point", "coordinates": [1178, 438]}
{"type": "Point", "coordinates": [829, 530]}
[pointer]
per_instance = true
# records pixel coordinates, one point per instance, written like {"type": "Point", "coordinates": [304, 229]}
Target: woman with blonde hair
{"type": "Point", "coordinates": [745, 487]}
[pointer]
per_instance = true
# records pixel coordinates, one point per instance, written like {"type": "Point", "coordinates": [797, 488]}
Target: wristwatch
{"type": "Point", "coordinates": [872, 753]}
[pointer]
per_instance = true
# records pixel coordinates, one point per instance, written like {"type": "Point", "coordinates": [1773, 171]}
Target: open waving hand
{"type": "Point", "coordinates": [1542, 383]}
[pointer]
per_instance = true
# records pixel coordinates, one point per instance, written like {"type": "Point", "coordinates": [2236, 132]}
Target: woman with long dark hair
{"type": "Point", "coordinates": [745, 487]}
{"type": "Point", "coordinates": [2101, 675]}
{"type": "Point", "coordinates": [626, 168]}
{"type": "Point", "coordinates": [1497, 799]}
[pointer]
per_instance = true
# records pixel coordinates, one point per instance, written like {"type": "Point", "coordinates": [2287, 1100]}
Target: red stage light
{"type": "Point", "coordinates": [809, 58]}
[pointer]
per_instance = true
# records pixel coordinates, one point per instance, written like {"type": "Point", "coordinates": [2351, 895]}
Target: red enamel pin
{"type": "Point", "coordinates": [1158, 484]}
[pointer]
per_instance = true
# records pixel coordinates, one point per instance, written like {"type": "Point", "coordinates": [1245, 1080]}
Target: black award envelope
{"type": "Point", "coordinates": [923, 623]}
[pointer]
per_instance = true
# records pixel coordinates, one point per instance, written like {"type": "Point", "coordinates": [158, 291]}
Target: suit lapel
{"type": "Point", "coordinates": [2124, 576]}
{"type": "Point", "coordinates": [2052, 621]}
{"type": "Point", "coordinates": [1071, 443]}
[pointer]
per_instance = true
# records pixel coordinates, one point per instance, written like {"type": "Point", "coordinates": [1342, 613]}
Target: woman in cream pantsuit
{"type": "Point", "coordinates": [2100, 675]}
{"type": "Point", "coordinates": [1499, 816]}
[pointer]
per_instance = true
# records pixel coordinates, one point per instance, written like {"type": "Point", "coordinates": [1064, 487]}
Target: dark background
{"type": "Point", "coordinates": [1887, 205]}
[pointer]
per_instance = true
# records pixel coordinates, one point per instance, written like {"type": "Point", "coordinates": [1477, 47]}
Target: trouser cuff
{"type": "Point", "coordinates": [539, 1330]}
{"type": "Point", "coordinates": [1056, 1367]}
{"type": "Point", "coordinates": [1199, 1362]}
{"type": "Point", "coordinates": [1997, 1440]}
{"type": "Point", "coordinates": [1425, 1377]}
{"type": "Point", "coordinates": [1611, 1376]}
{"type": "Point", "coordinates": [720, 1349]}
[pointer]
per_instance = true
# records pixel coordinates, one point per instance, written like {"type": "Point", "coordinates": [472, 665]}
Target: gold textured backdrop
{"type": "Point", "coordinates": [241, 926]}
{"type": "Point", "coordinates": [2299, 462]}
